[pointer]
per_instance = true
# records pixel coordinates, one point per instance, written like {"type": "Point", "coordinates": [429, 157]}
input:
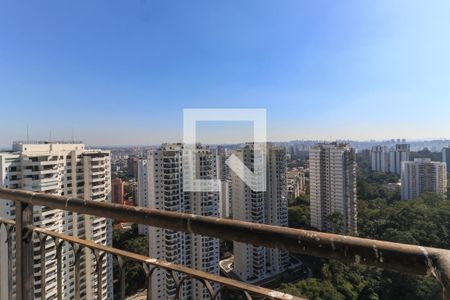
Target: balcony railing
{"type": "Point", "coordinates": [392, 256]}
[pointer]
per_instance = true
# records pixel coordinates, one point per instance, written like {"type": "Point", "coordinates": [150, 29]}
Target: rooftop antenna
{"type": "Point", "coordinates": [50, 136]}
{"type": "Point", "coordinates": [73, 136]}
{"type": "Point", "coordinates": [28, 134]}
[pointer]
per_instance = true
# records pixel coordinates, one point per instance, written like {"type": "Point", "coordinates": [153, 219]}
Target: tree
{"type": "Point", "coordinates": [424, 221]}
{"type": "Point", "coordinates": [336, 221]}
{"type": "Point", "coordinates": [426, 153]}
{"type": "Point", "coordinates": [313, 289]}
{"type": "Point", "coordinates": [299, 217]}
{"type": "Point", "coordinates": [131, 241]}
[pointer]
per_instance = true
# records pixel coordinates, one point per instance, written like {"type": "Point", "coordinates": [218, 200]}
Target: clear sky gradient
{"type": "Point", "coordinates": [121, 72]}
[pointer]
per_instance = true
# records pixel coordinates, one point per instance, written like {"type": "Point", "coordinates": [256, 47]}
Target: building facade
{"type": "Point", "coordinates": [399, 154]}
{"type": "Point", "coordinates": [384, 160]}
{"type": "Point", "coordinates": [332, 180]}
{"type": "Point", "coordinates": [132, 166]}
{"type": "Point", "coordinates": [380, 159]}
{"type": "Point", "coordinates": [142, 191]}
{"type": "Point", "coordinates": [296, 183]}
{"type": "Point", "coordinates": [117, 191]}
{"type": "Point", "coordinates": [161, 185]}
{"type": "Point", "coordinates": [224, 176]}
{"type": "Point", "coordinates": [446, 157]}
{"type": "Point", "coordinates": [423, 175]}
{"type": "Point", "coordinates": [67, 170]}
{"type": "Point", "coordinates": [253, 263]}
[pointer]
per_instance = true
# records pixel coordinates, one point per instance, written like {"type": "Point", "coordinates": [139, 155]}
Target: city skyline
{"type": "Point", "coordinates": [123, 74]}
{"type": "Point", "coordinates": [195, 150]}
{"type": "Point", "coordinates": [439, 144]}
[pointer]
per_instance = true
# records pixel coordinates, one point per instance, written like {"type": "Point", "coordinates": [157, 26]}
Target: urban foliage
{"type": "Point", "coordinates": [130, 240]}
{"type": "Point", "coordinates": [426, 153]}
{"type": "Point", "coordinates": [424, 221]}
{"type": "Point", "coordinates": [299, 213]}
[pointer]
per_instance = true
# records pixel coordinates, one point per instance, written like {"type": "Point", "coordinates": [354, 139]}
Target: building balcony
{"type": "Point", "coordinates": [19, 235]}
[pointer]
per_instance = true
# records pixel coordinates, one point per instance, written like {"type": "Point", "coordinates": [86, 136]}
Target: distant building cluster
{"type": "Point", "coordinates": [297, 149]}
{"type": "Point", "coordinates": [296, 183]}
{"type": "Point", "coordinates": [423, 175]}
{"type": "Point", "coordinates": [160, 186]}
{"type": "Point", "coordinates": [417, 176]}
{"type": "Point", "coordinates": [384, 160]}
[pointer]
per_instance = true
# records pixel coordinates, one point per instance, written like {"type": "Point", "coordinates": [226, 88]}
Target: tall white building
{"type": "Point", "coordinates": [332, 169]}
{"type": "Point", "coordinates": [164, 190]}
{"type": "Point", "coordinates": [67, 170]}
{"type": "Point", "coordinates": [253, 263]}
{"type": "Point", "coordinates": [380, 159]}
{"type": "Point", "coordinates": [399, 154]}
{"type": "Point", "coordinates": [423, 175]}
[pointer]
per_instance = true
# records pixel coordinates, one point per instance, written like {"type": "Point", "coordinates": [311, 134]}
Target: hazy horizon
{"type": "Point", "coordinates": [381, 141]}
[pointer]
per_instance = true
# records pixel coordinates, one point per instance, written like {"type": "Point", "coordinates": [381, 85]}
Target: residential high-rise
{"type": "Point", "coordinates": [252, 263]}
{"type": "Point", "coordinates": [399, 154]}
{"type": "Point", "coordinates": [332, 177]}
{"type": "Point", "coordinates": [117, 191]}
{"type": "Point", "coordinates": [223, 174]}
{"type": "Point", "coordinates": [67, 170]}
{"type": "Point", "coordinates": [446, 157]}
{"type": "Point", "coordinates": [380, 159]}
{"type": "Point", "coordinates": [423, 175]}
{"type": "Point", "coordinates": [161, 185]}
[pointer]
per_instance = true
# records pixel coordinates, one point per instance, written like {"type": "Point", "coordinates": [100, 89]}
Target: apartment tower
{"type": "Point", "coordinates": [224, 176]}
{"type": "Point", "coordinates": [65, 169]}
{"type": "Point", "coordinates": [162, 171]}
{"type": "Point", "coordinates": [446, 156]}
{"type": "Point", "coordinates": [399, 154]}
{"type": "Point", "coordinates": [380, 159]}
{"type": "Point", "coordinates": [333, 186]}
{"type": "Point", "coordinates": [252, 263]}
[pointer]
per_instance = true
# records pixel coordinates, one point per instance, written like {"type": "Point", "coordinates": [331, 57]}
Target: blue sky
{"type": "Point", "coordinates": [121, 72]}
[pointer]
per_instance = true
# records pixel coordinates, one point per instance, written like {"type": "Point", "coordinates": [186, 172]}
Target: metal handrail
{"type": "Point", "coordinates": [151, 263]}
{"type": "Point", "coordinates": [387, 255]}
